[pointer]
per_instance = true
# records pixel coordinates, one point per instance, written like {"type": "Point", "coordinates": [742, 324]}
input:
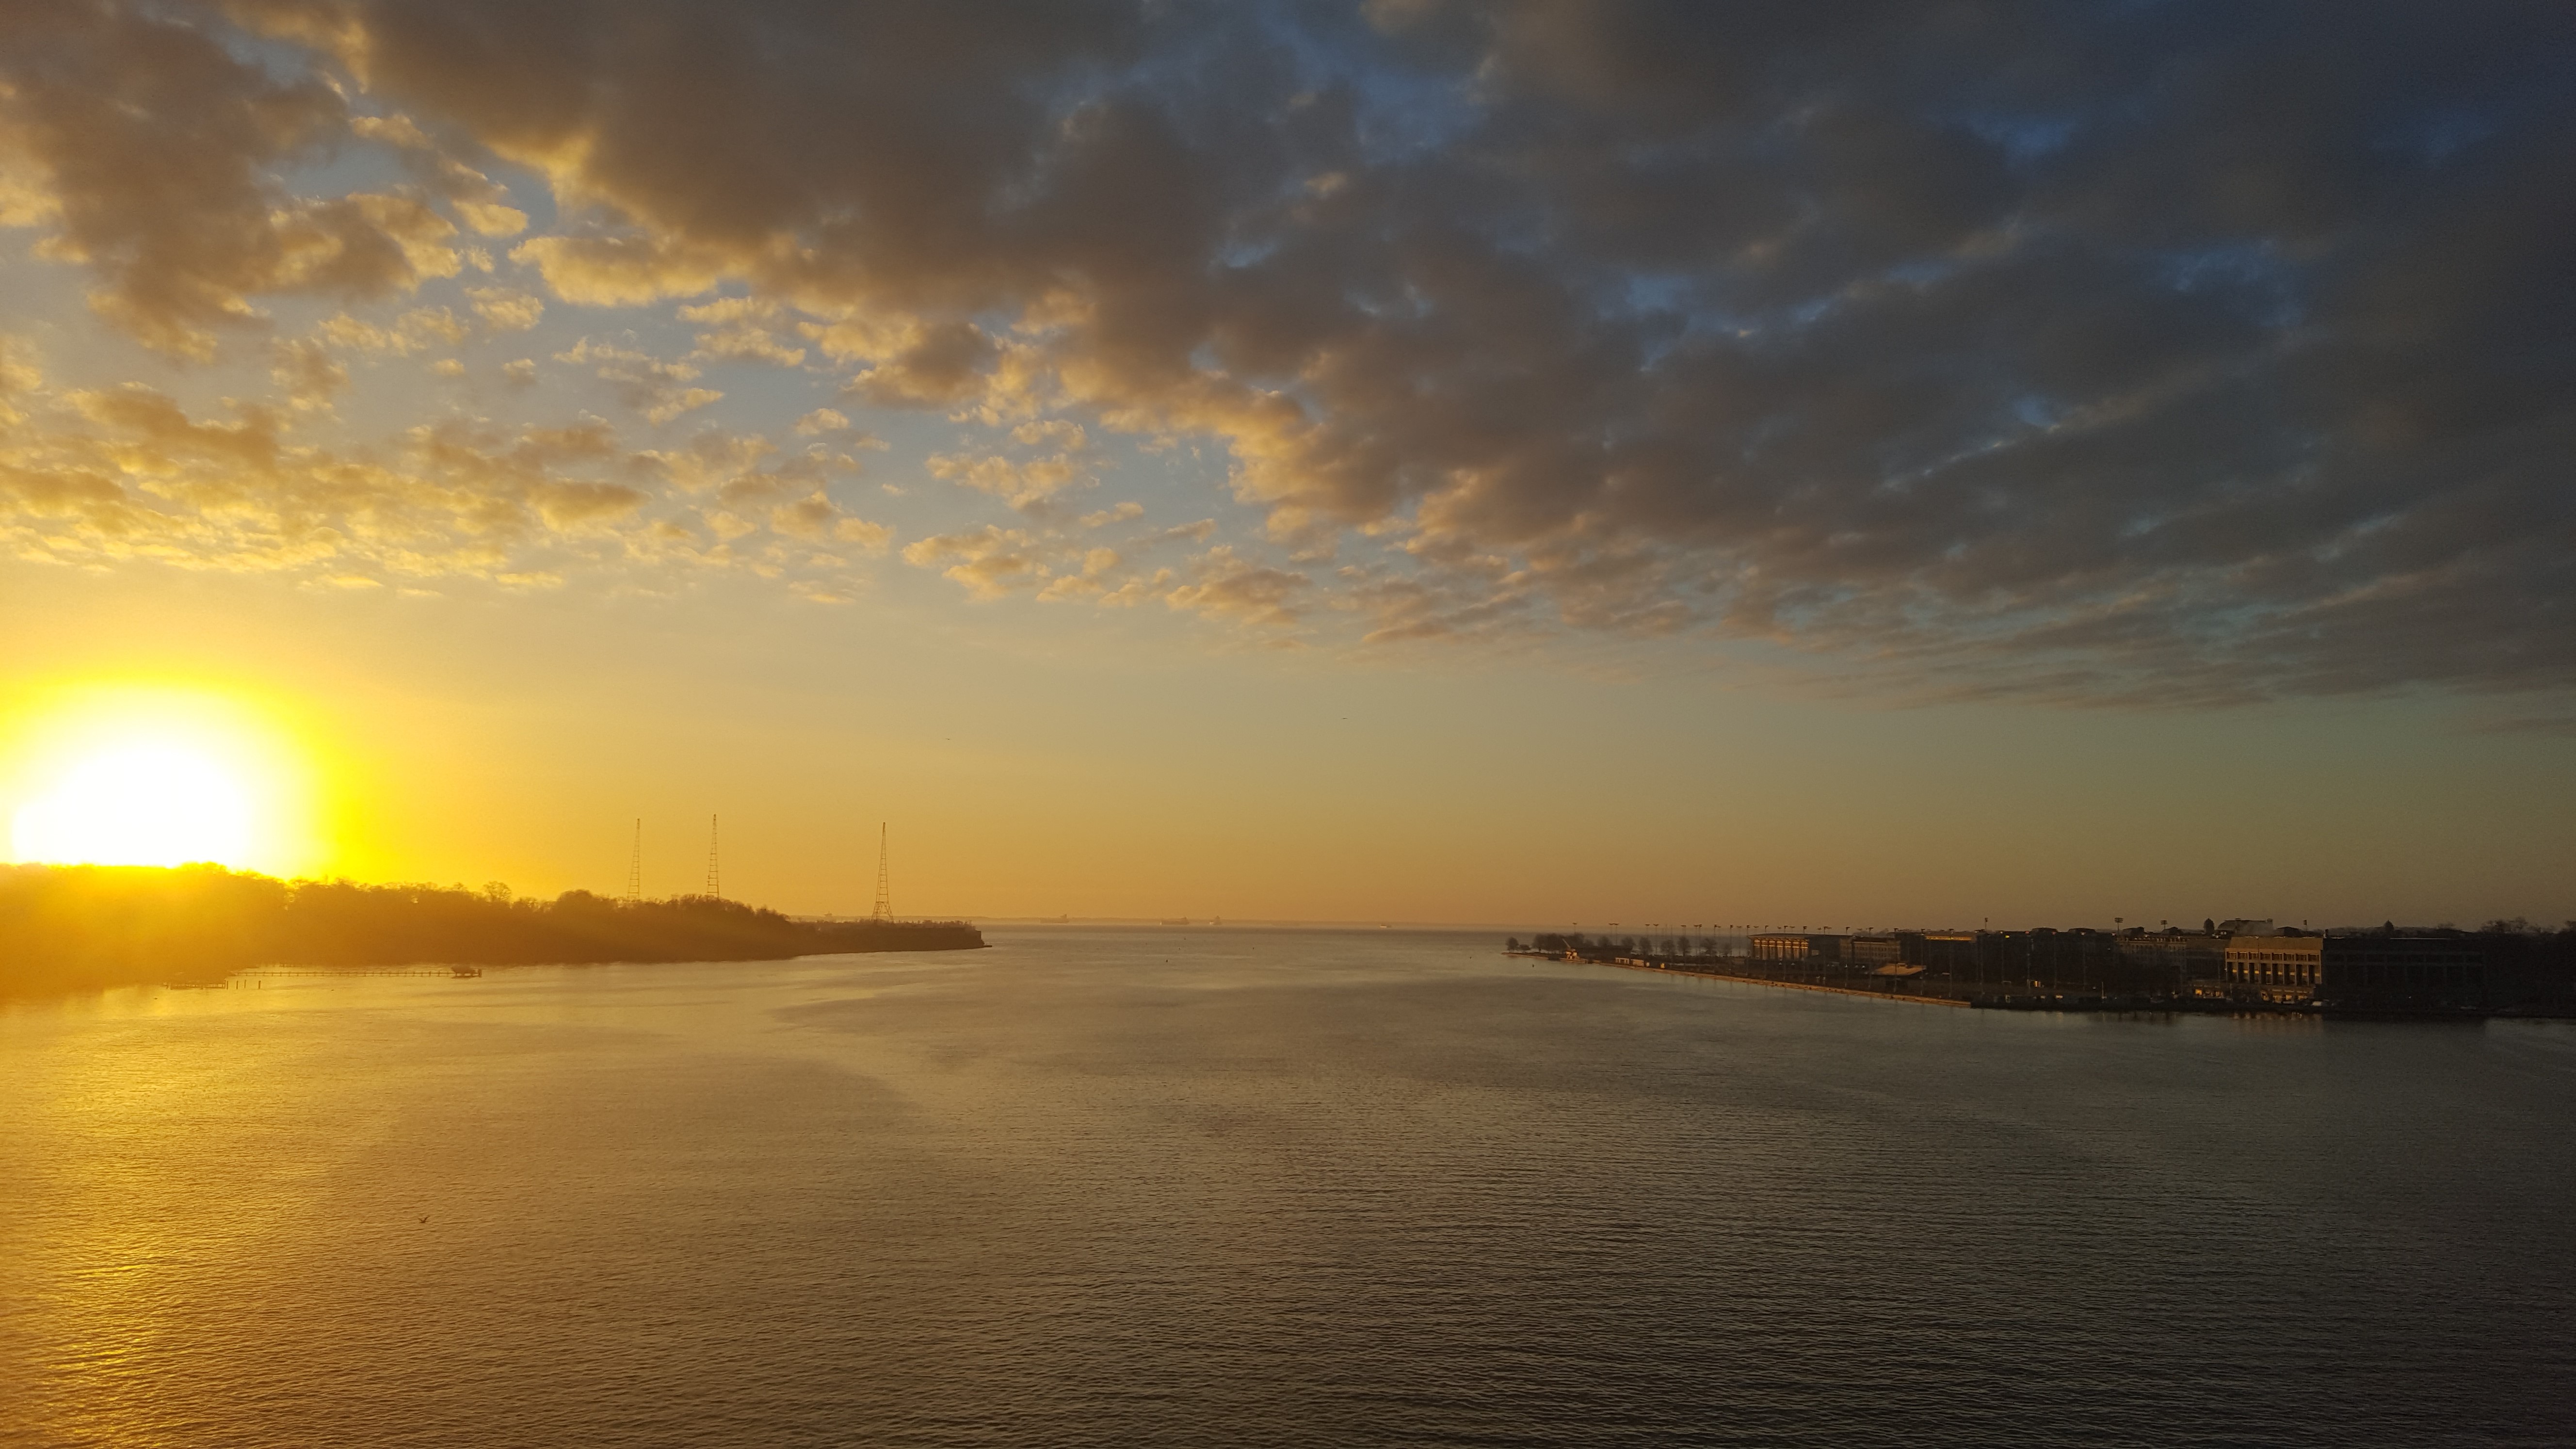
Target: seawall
{"type": "Point", "coordinates": [1784, 985]}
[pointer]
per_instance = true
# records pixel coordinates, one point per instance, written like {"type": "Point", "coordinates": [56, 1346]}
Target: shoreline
{"type": "Point", "coordinates": [1760, 981]}
{"type": "Point", "coordinates": [2097, 1005]}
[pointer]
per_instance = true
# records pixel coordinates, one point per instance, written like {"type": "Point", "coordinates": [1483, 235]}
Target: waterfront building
{"type": "Point", "coordinates": [2364, 971]}
{"type": "Point", "coordinates": [1963, 955]}
{"type": "Point", "coordinates": [2080, 960]}
{"type": "Point", "coordinates": [2280, 969]}
{"type": "Point", "coordinates": [1867, 953]}
{"type": "Point", "coordinates": [1797, 948]}
{"type": "Point", "coordinates": [2384, 971]}
{"type": "Point", "coordinates": [2185, 963]}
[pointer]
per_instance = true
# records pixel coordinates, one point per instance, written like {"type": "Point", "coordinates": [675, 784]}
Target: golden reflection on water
{"type": "Point", "coordinates": [1353, 1191]}
{"type": "Point", "coordinates": [163, 1159]}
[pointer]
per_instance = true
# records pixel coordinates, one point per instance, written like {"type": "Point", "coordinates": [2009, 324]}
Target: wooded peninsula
{"type": "Point", "coordinates": [80, 927]}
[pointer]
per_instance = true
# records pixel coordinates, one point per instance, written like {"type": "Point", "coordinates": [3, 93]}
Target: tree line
{"type": "Point", "coordinates": [80, 927]}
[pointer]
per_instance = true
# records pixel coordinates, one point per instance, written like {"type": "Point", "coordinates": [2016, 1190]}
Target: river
{"type": "Point", "coordinates": [1263, 1187]}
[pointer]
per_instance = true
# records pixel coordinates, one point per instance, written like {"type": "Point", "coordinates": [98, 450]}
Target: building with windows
{"type": "Point", "coordinates": [1798, 948]}
{"type": "Point", "coordinates": [2185, 963]}
{"type": "Point", "coordinates": [2385, 971]}
{"type": "Point", "coordinates": [1966, 956]}
{"type": "Point", "coordinates": [2370, 970]}
{"type": "Point", "coordinates": [2279, 969]}
{"type": "Point", "coordinates": [1868, 953]}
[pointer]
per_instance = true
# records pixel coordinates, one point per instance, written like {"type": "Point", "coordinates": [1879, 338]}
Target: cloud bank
{"type": "Point", "coordinates": [2189, 351]}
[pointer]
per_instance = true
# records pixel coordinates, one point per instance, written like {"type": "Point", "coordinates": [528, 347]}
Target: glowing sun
{"type": "Point", "coordinates": [139, 805]}
{"type": "Point", "coordinates": [158, 777]}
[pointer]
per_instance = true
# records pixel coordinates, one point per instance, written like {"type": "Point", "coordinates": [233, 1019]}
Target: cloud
{"type": "Point", "coordinates": [1021, 484]}
{"type": "Point", "coordinates": [715, 460]}
{"type": "Point", "coordinates": [568, 506]}
{"type": "Point", "coordinates": [308, 372]}
{"type": "Point", "coordinates": [417, 330]}
{"type": "Point", "coordinates": [668, 405]}
{"type": "Point", "coordinates": [147, 151]}
{"type": "Point", "coordinates": [1050, 561]}
{"type": "Point", "coordinates": [738, 330]}
{"type": "Point", "coordinates": [618, 271]}
{"type": "Point", "coordinates": [1199, 531]}
{"type": "Point", "coordinates": [482, 202]}
{"type": "Point", "coordinates": [820, 593]}
{"type": "Point", "coordinates": [506, 309]}
{"type": "Point", "coordinates": [1057, 433]}
{"type": "Point", "coordinates": [127, 475]}
{"type": "Point", "coordinates": [650, 386]}
{"type": "Point", "coordinates": [20, 375]}
{"type": "Point", "coordinates": [930, 365]}
{"type": "Point", "coordinates": [990, 561]}
{"type": "Point", "coordinates": [748, 344]}
{"type": "Point", "coordinates": [1098, 564]}
{"type": "Point", "coordinates": [1225, 585]}
{"type": "Point", "coordinates": [821, 420]}
{"type": "Point", "coordinates": [2078, 352]}
{"type": "Point", "coordinates": [873, 538]}
{"type": "Point", "coordinates": [815, 516]}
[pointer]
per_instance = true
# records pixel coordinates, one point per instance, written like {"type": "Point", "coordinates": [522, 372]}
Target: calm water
{"type": "Point", "coordinates": [1198, 1187]}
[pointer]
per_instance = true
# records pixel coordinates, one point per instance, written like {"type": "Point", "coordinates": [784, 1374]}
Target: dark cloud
{"type": "Point", "coordinates": [147, 148]}
{"type": "Point", "coordinates": [2182, 350]}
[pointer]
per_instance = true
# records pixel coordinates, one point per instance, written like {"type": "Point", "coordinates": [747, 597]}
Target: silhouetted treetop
{"type": "Point", "coordinates": [71, 927]}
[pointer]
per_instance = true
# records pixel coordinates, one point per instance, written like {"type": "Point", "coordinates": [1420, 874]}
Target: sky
{"type": "Point", "coordinates": [1544, 463]}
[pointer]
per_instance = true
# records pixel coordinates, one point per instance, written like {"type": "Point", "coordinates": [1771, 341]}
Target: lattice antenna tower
{"type": "Point", "coordinates": [635, 866]}
{"type": "Point", "coordinates": [715, 878]}
{"type": "Point", "coordinates": [885, 898]}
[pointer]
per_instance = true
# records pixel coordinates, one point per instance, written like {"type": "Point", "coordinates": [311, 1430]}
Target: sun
{"type": "Point", "coordinates": [157, 777]}
{"type": "Point", "coordinates": [140, 805]}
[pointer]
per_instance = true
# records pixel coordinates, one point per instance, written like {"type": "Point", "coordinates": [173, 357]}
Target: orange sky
{"type": "Point", "coordinates": [1078, 770]}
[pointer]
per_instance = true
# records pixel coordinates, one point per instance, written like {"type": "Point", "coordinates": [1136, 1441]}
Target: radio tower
{"type": "Point", "coordinates": [885, 900]}
{"type": "Point", "coordinates": [635, 866]}
{"type": "Point", "coordinates": [715, 881]}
